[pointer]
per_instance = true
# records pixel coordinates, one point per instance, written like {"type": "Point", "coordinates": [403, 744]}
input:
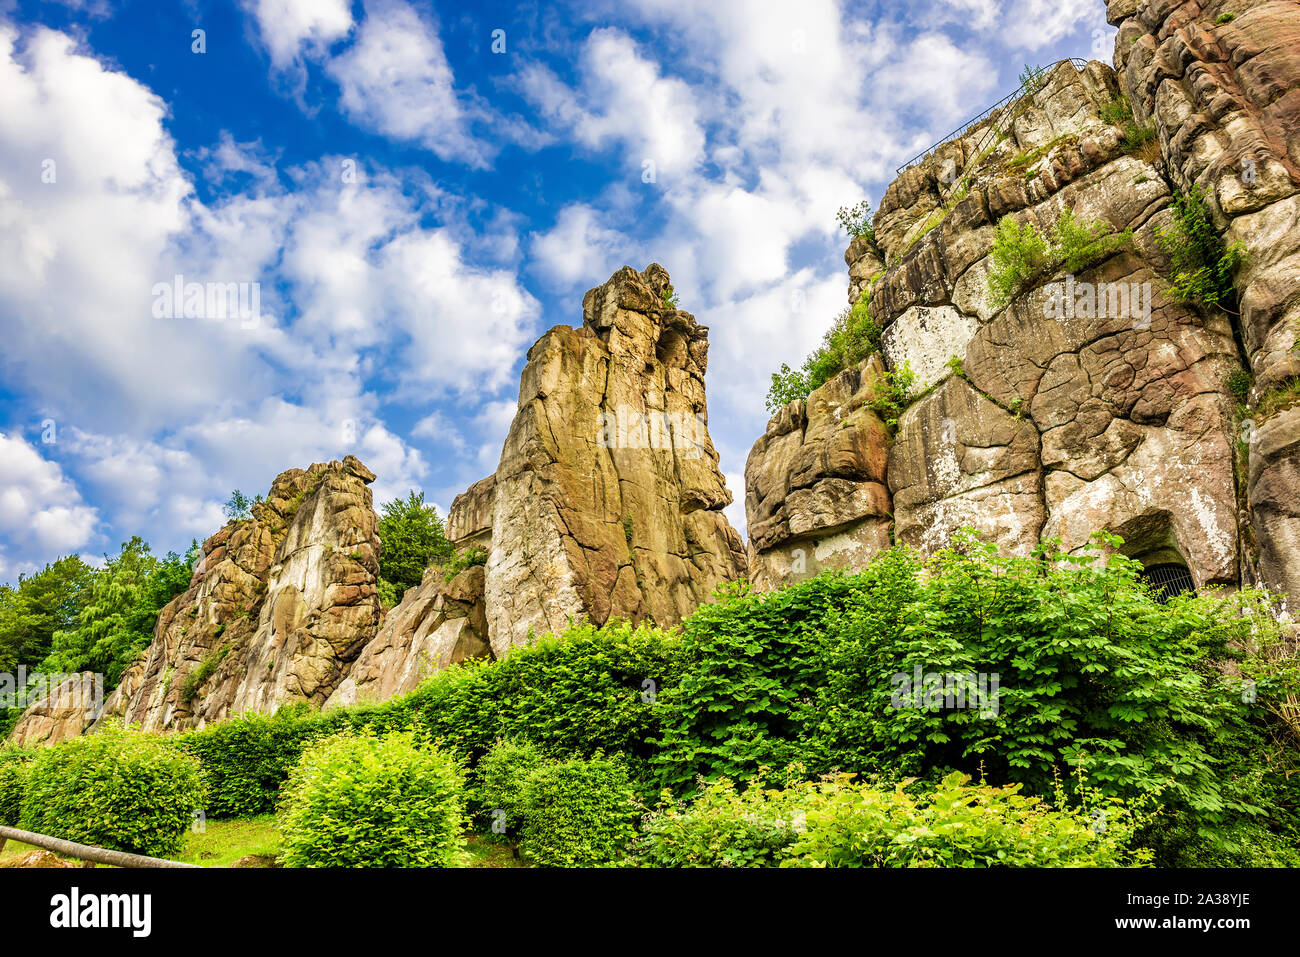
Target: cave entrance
{"type": "Point", "coordinates": [1167, 580]}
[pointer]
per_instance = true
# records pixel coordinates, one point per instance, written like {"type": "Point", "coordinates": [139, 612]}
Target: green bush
{"type": "Point", "coordinates": [578, 813]}
{"type": "Point", "coordinates": [474, 555]}
{"type": "Point", "coordinates": [1094, 674]}
{"type": "Point", "coordinates": [502, 778]}
{"type": "Point", "coordinates": [1201, 264]}
{"type": "Point", "coordinates": [1021, 254]}
{"type": "Point", "coordinates": [754, 659]}
{"type": "Point", "coordinates": [958, 824]}
{"type": "Point", "coordinates": [373, 801]}
{"type": "Point", "coordinates": [13, 784]}
{"type": "Point", "coordinates": [851, 338]}
{"type": "Point", "coordinates": [118, 789]}
{"type": "Point", "coordinates": [722, 826]}
{"type": "Point", "coordinates": [245, 760]}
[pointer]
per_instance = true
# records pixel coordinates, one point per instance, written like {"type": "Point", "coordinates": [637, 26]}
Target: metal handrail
{"type": "Point", "coordinates": [1077, 62]}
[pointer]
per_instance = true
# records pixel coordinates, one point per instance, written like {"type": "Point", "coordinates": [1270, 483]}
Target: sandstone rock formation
{"type": "Point", "coordinates": [279, 607]}
{"type": "Point", "coordinates": [63, 712]}
{"type": "Point", "coordinates": [438, 623]}
{"type": "Point", "coordinates": [608, 499]}
{"type": "Point", "coordinates": [815, 495]}
{"type": "Point", "coordinates": [1225, 100]}
{"type": "Point", "coordinates": [1033, 421]}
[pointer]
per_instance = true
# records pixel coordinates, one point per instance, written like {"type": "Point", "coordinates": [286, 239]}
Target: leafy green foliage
{"type": "Point", "coordinates": [577, 813]}
{"type": "Point", "coordinates": [412, 538]}
{"type": "Point", "coordinates": [468, 558]}
{"type": "Point", "coordinates": [594, 689]}
{"type": "Point", "coordinates": [373, 801]}
{"type": "Point", "coordinates": [853, 337]}
{"type": "Point", "coordinates": [856, 220]}
{"type": "Point", "coordinates": [722, 826]}
{"type": "Point", "coordinates": [1239, 384]}
{"type": "Point", "coordinates": [502, 778]}
{"type": "Point", "coordinates": [13, 784]}
{"type": "Point", "coordinates": [246, 760]}
{"type": "Point", "coordinates": [1201, 265]}
{"type": "Point", "coordinates": [1022, 255]}
{"type": "Point", "coordinates": [752, 658]}
{"type": "Point", "coordinates": [1032, 79]}
{"type": "Point", "coordinates": [38, 606]}
{"type": "Point", "coordinates": [118, 789]}
{"type": "Point", "coordinates": [239, 506]}
{"type": "Point", "coordinates": [959, 824]}
{"type": "Point", "coordinates": [199, 676]}
{"type": "Point", "coordinates": [117, 623]}
{"type": "Point", "coordinates": [889, 396]}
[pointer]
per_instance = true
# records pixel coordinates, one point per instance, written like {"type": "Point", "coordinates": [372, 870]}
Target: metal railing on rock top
{"type": "Point", "coordinates": [1076, 62]}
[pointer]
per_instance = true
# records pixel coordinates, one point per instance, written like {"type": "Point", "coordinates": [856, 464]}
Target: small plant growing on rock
{"type": "Point", "coordinates": [1022, 255]}
{"type": "Point", "coordinates": [856, 220]}
{"type": "Point", "coordinates": [1031, 79]}
{"type": "Point", "coordinates": [853, 336]}
{"type": "Point", "coordinates": [475, 555]}
{"type": "Point", "coordinates": [1201, 264]}
{"type": "Point", "coordinates": [1239, 384]}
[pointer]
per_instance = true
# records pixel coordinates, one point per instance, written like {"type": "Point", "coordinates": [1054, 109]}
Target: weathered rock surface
{"type": "Point", "coordinates": [608, 498]}
{"type": "Point", "coordinates": [1225, 99]}
{"type": "Point", "coordinates": [815, 495]}
{"type": "Point", "coordinates": [1112, 413]}
{"type": "Point", "coordinates": [280, 606]}
{"type": "Point", "coordinates": [63, 712]}
{"type": "Point", "coordinates": [438, 623]}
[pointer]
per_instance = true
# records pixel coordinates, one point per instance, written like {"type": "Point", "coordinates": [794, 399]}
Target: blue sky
{"type": "Point", "coordinates": [416, 208]}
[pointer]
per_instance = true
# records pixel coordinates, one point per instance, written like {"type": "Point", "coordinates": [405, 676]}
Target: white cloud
{"type": "Point", "coordinates": [626, 101]}
{"type": "Point", "coordinates": [577, 249]}
{"type": "Point", "coordinates": [41, 510]}
{"type": "Point", "coordinates": [395, 79]}
{"type": "Point", "coordinates": [163, 417]}
{"type": "Point", "coordinates": [288, 27]}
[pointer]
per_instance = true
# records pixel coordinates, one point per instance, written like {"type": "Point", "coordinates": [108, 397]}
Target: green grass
{"type": "Point", "coordinates": [485, 852]}
{"type": "Point", "coordinates": [224, 842]}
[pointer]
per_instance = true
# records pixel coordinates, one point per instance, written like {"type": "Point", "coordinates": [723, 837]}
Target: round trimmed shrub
{"type": "Point", "coordinates": [123, 790]}
{"type": "Point", "coordinates": [13, 784]}
{"type": "Point", "coordinates": [503, 783]}
{"type": "Point", "coordinates": [578, 813]}
{"type": "Point", "coordinates": [373, 801]}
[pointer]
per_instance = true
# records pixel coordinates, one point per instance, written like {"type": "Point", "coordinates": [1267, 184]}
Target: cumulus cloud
{"type": "Point", "coordinates": [41, 510]}
{"type": "Point", "coordinates": [363, 276]}
{"type": "Point", "coordinates": [624, 101]}
{"type": "Point", "coordinates": [290, 28]}
{"type": "Point", "coordinates": [578, 249]}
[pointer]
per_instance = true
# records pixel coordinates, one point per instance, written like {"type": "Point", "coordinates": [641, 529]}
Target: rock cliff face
{"type": "Point", "coordinates": [607, 503]}
{"type": "Point", "coordinates": [608, 498]}
{"type": "Point", "coordinates": [1225, 99]}
{"type": "Point", "coordinates": [815, 493]}
{"type": "Point", "coordinates": [279, 607]}
{"type": "Point", "coordinates": [1043, 419]}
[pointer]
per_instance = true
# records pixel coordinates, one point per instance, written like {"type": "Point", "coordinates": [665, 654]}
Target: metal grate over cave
{"type": "Point", "coordinates": [1166, 581]}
